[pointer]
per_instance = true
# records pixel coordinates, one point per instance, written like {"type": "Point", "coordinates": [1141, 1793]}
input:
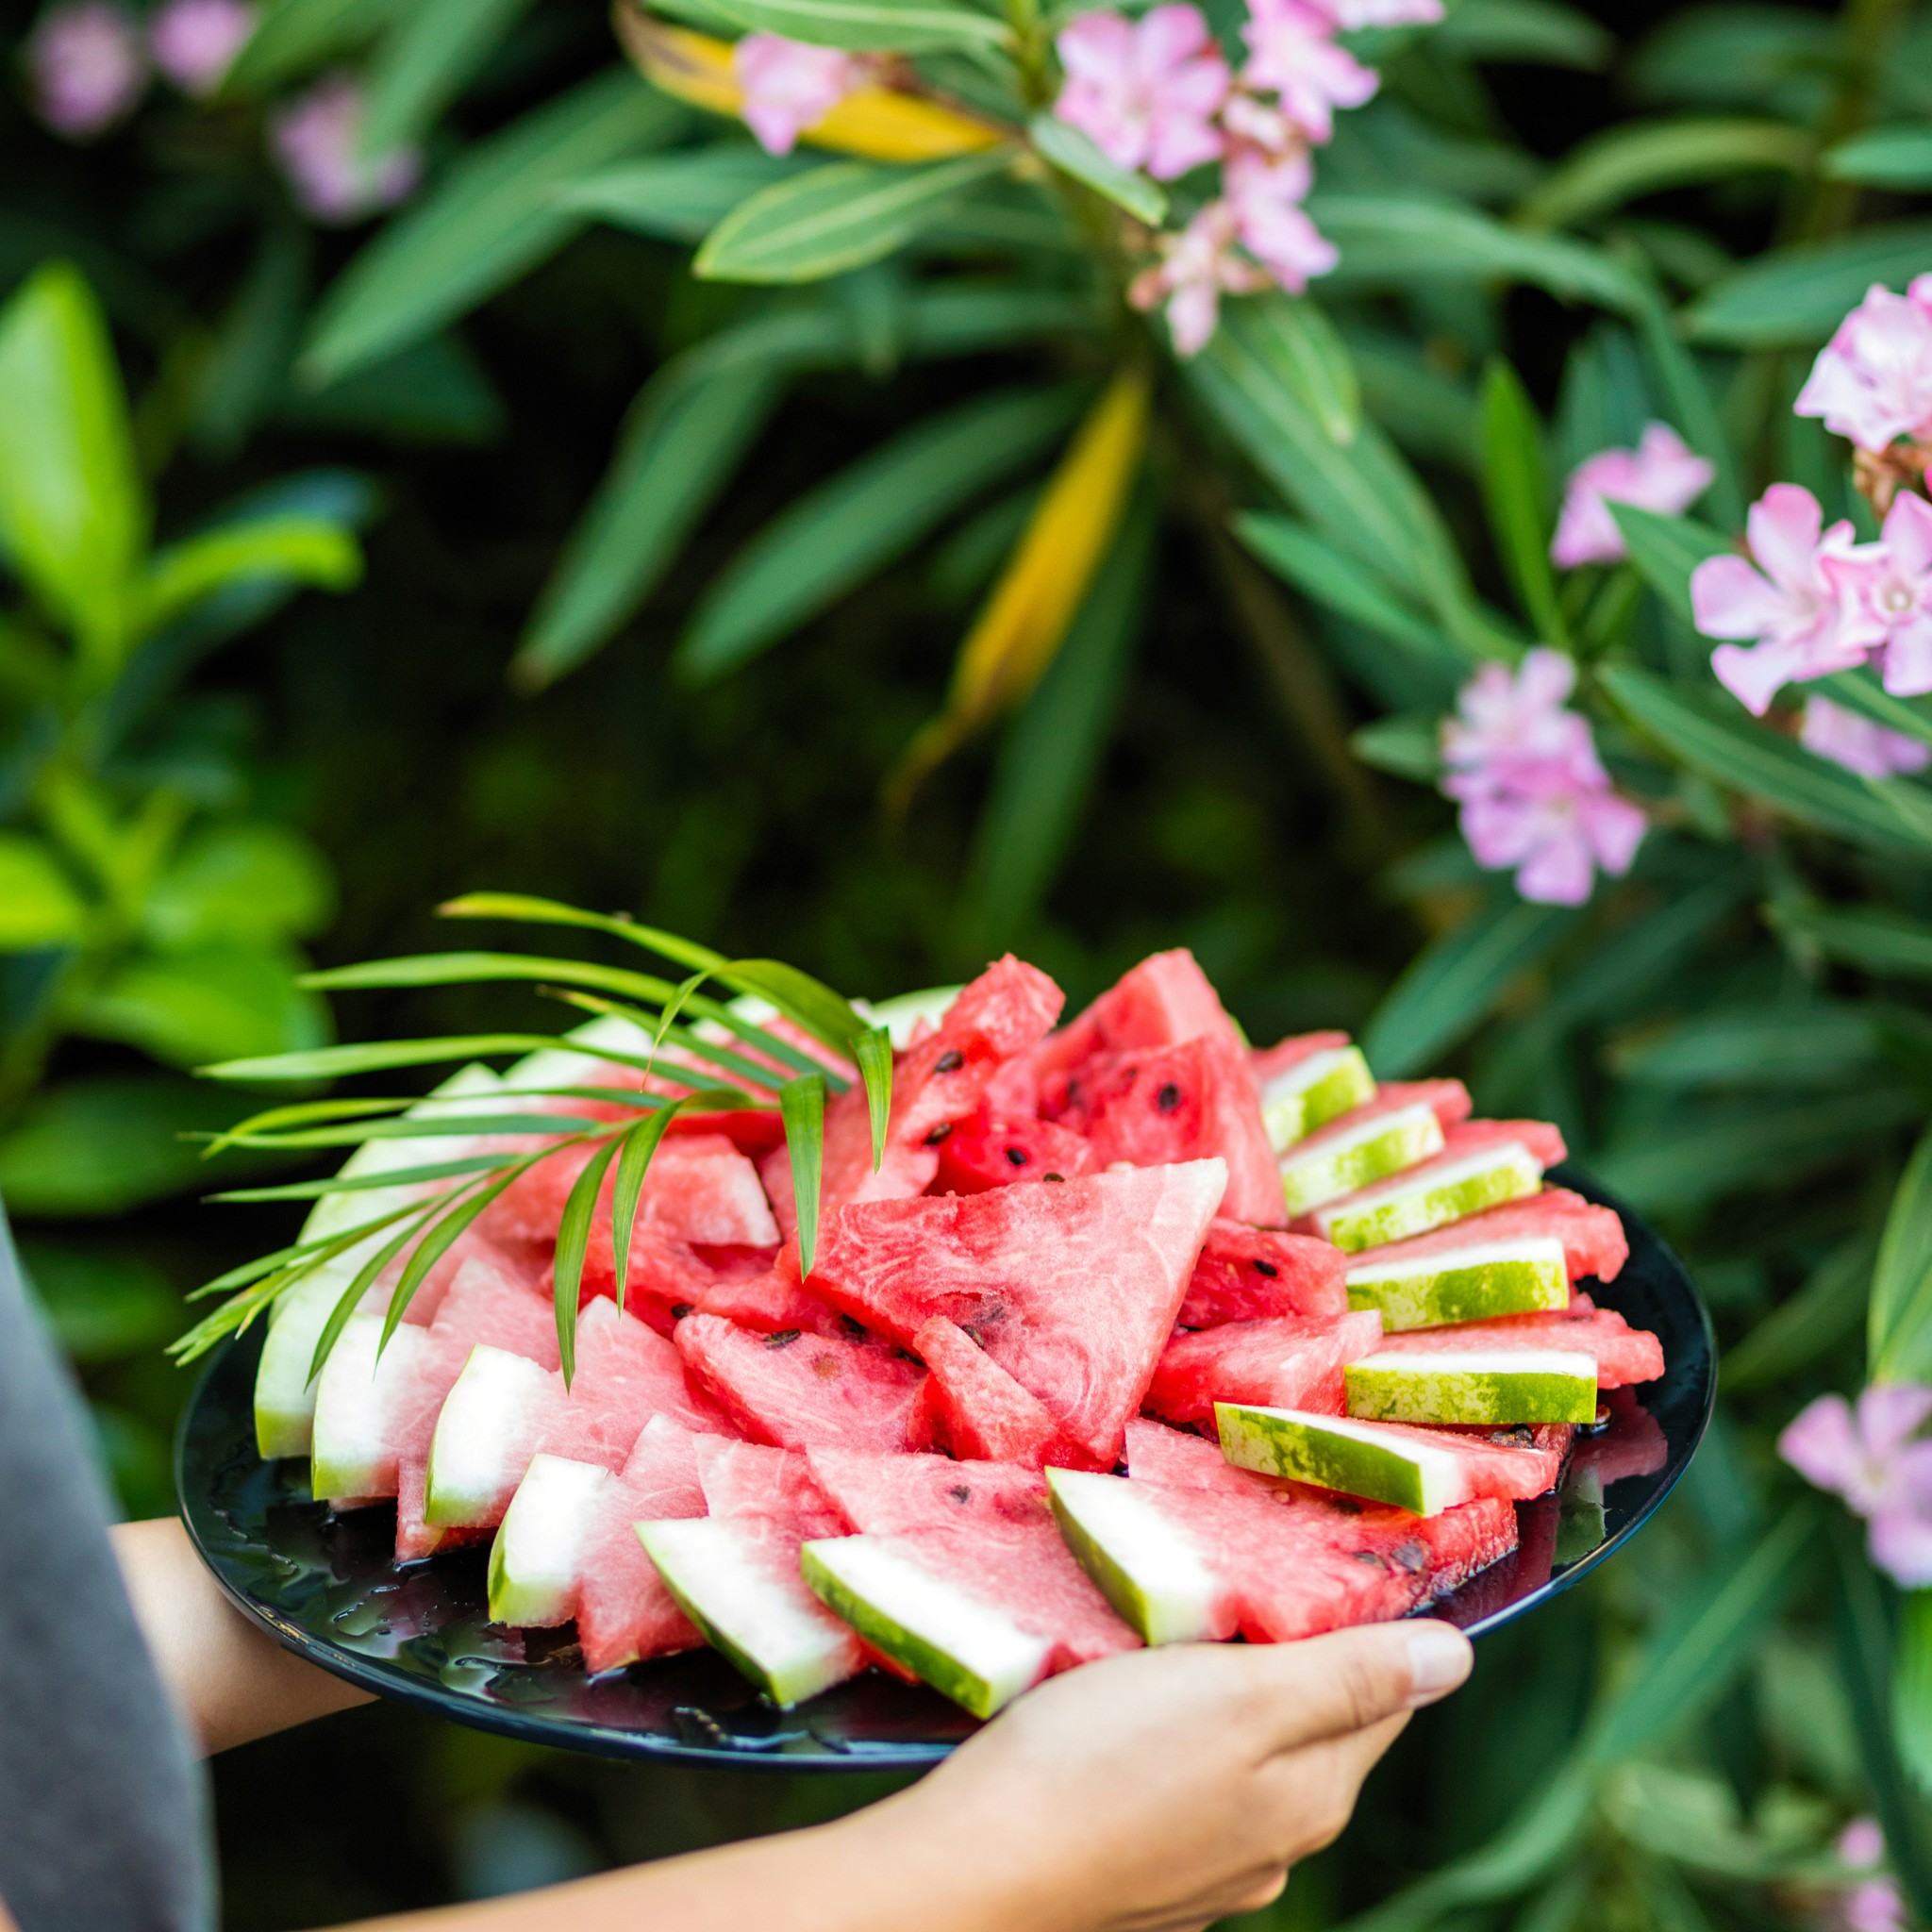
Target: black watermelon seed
{"type": "Point", "coordinates": [1168, 1098]}
{"type": "Point", "coordinates": [1053, 1177]}
{"type": "Point", "coordinates": [680, 1309]}
{"type": "Point", "coordinates": [1018, 1157]}
{"type": "Point", "coordinates": [938, 1133]}
{"type": "Point", "coordinates": [950, 1061]}
{"type": "Point", "coordinates": [1269, 1269]}
{"type": "Point", "coordinates": [783, 1338]}
{"type": "Point", "coordinates": [960, 1493]}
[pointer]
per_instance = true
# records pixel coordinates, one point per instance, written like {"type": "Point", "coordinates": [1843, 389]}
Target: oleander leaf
{"type": "Point", "coordinates": [1665, 549]}
{"type": "Point", "coordinates": [1640, 158]}
{"type": "Point", "coordinates": [1516, 493]}
{"type": "Point", "coordinates": [1072, 153]}
{"type": "Point", "coordinates": [1793, 297]}
{"type": "Point", "coordinates": [1898, 158]}
{"type": "Point", "coordinates": [870, 26]}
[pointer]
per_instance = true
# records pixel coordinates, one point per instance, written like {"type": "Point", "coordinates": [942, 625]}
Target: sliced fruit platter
{"type": "Point", "coordinates": [955, 1342]}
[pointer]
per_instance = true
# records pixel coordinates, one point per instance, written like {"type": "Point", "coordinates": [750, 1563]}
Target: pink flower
{"type": "Point", "coordinates": [1293, 52]}
{"type": "Point", "coordinates": [1873, 381]}
{"type": "Point", "coordinates": [1352, 14]}
{"type": "Point", "coordinates": [1858, 743]}
{"type": "Point", "coordinates": [1534, 794]}
{"type": "Point", "coordinates": [194, 41]}
{"type": "Point", "coordinates": [1145, 95]}
{"type": "Point", "coordinates": [1660, 473]}
{"type": "Point", "coordinates": [1877, 1461]}
{"type": "Point", "coordinates": [87, 67]}
{"type": "Point", "coordinates": [1275, 228]}
{"type": "Point", "coordinates": [1254, 122]}
{"type": "Point", "coordinates": [315, 140]}
{"type": "Point", "coordinates": [1796, 609]}
{"type": "Point", "coordinates": [789, 86]}
{"type": "Point", "coordinates": [1198, 266]}
{"type": "Point", "coordinates": [1889, 588]}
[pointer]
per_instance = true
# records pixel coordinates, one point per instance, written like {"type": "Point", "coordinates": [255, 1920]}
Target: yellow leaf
{"type": "Point", "coordinates": [1044, 583]}
{"type": "Point", "coordinates": [881, 124]}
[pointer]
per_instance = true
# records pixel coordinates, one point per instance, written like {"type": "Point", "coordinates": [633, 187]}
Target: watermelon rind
{"type": "Point", "coordinates": [1334, 1452]}
{"type": "Point", "coordinates": [355, 1397]}
{"type": "Point", "coordinates": [1474, 1385]}
{"type": "Point", "coordinates": [484, 1419]}
{"type": "Point", "coordinates": [534, 1563]}
{"type": "Point", "coordinates": [901, 1014]}
{"type": "Point", "coordinates": [1510, 1278]}
{"type": "Point", "coordinates": [284, 1387]}
{"type": "Point", "coordinates": [966, 1649]}
{"type": "Point", "coordinates": [770, 1625]}
{"type": "Point", "coordinates": [1146, 1565]}
{"type": "Point", "coordinates": [1313, 1093]}
{"type": "Point", "coordinates": [1358, 1155]}
{"type": "Point", "coordinates": [1410, 1205]}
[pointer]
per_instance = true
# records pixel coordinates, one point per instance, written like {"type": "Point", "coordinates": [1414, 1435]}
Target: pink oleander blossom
{"type": "Point", "coordinates": [1258, 123]}
{"type": "Point", "coordinates": [1350, 15]}
{"type": "Point", "coordinates": [87, 68]}
{"type": "Point", "coordinates": [194, 41]}
{"type": "Point", "coordinates": [1534, 796]}
{"type": "Point", "coordinates": [315, 140]}
{"type": "Point", "coordinates": [1145, 94]}
{"type": "Point", "coordinates": [1888, 586]}
{"type": "Point", "coordinates": [1874, 1457]}
{"type": "Point", "coordinates": [1873, 381]}
{"type": "Point", "coordinates": [1661, 473]}
{"type": "Point", "coordinates": [1197, 267]}
{"type": "Point", "coordinates": [1293, 51]}
{"type": "Point", "coordinates": [1275, 228]}
{"type": "Point", "coordinates": [1795, 608]}
{"type": "Point", "coordinates": [789, 86]}
{"type": "Point", "coordinates": [1858, 743]}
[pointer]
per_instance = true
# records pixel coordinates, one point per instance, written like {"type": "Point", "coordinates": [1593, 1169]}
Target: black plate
{"type": "Point", "coordinates": [328, 1587]}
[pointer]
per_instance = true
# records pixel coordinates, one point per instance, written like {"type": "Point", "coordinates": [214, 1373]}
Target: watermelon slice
{"type": "Point", "coordinates": [1402, 1125]}
{"type": "Point", "coordinates": [797, 1390]}
{"type": "Point", "coordinates": [977, 1410]}
{"type": "Point", "coordinates": [884, 1493]}
{"type": "Point", "coordinates": [536, 1562]}
{"type": "Point", "coordinates": [1482, 1164]}
{"type": "Point", "coordinates": [1282, 1362]}
{"type": "Point", "coordinates": [992, 1151]}
{"type": "Point", "coordinates": [362, 1394]}
{"type": "Point", "coordinates": [1307, 1082]}
{"type": "Point", "coordinates": [1250, 1274]}
{"type": "Point", "coordinates": [1474, 1385]}
{"type": "Point", "coordinates": [1153, 1107]}
{"type": "Point", "coordinates": [1422, 1470]}
{"type": "Point", "coordinates": [1161, 1002]}
{"type": "Point", "coordinates": [1624, 1354]}
{"type": "Point", "coordinates": [1469, 1282]}
{"type": "Point", "coordinates": [504, 1407]}
{"type": "Point", "coordinates": [1591, 1239]}
{"type": "Point", "coordinates": [1071, 1290]}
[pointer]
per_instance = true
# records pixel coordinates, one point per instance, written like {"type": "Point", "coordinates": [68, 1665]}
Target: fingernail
{"type": "Point", "coordinates": [1440, 1658]}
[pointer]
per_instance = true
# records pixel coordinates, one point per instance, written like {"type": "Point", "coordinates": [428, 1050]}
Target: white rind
{"type": "Point", "coordinates": [1569, 1364]}
{"type": "Point", "coordinates": [1174, 1592]}
{"type": "Point", "coordinates": [356, 1395]}
{"type": "Point", "coordinates": [1283, 1110]}
{"type": "Point", "coordinates": [1507, 1156]}
{"type": "Point", "coordinates": [483, 1430]}
{"type": "Point", "coordinates": [536, 1562]}
{"type": "Point", "coordinates": [1310, 1175]}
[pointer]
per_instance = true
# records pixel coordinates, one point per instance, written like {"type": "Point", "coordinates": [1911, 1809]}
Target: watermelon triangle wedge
{"type": "Point", "coordinates": [1292, 1362]}
{"type": "Point", "coordinates": [1624, 1354]}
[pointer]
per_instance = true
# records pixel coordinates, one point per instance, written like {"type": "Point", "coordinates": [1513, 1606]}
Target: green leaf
{"type": "Point", "coordinates": [1859, 691]}
{"type": "Point", "coordinates": [1406, 745]}
{"type": "Point", "coordinates": [434, 393]}
{"type": "Point", "coordinates": [860, 520]}
{"type": "Point", "coordinates": [1911, 1688]}
{"type": "Point", "coordinates": [1780, 1045]}
{"type": "Point", "coordinates": [1516, 493]}
{"type": "Point", "coordinates": [1898, 158]}
{"type": "Point", "coordinates": [1803, 1330]}
{"type": "Point", "coordinates": [1074, 154]}
{"type": "Point", "coordinates": [1716, 738]}
{"type": "Point", "coordinates": [1745, 56]}
{"type": "Point", "coordinates": [364, 1279]}
{"type": "Point", "coordinates": [1665, 549]}
{"type": "Point", "coordinates": [73, 510]}
{"type": "Point", "coordinates": [1540, 31]}
{"type": "Point", "coordinates": [870, 26]}
{"type": "Point", "coordinates": [1330, 579]}
{"type": "Point", "coordinates": [426, 60]}
{"type": "Point", "coordinates": [802, 1102]}
{"type": "Point", "coordinates": [836, 218]}
{"type": "Point", "coordinates": [683, 196]}
{"type": "Point", "coordinates": [1641, 157]}
{"type": "Point", "coordinates": [1690, 402]}
{"type": "Point", "coordinates": [825, 1014]}
{"type": "Point", "coordinates": [1898, 1322]}
{"type": "Point", "coordinates": [294, 36]}
{"type": "Point", "coordinates": [1794, 297]}
{"type": "Point", "coordinates": [572, 1239]}
{"type": "Point", "coordinates": [1873, 938]}
{"type": "Point", "coordinates": [335, 1062]}
{"type": "Point", "coordinates": [679, 447]}
{"type": "Point", "coordinates": [492, 218]}
{"type": "Point", "coordinates": [873, 1050]}
{"type": "Point", "coordinates": [213, 1003]}
{"type": "Point", "coordinates": [633, 1163]}
{"type": "Point", "coordinates": [39, 906]}
{"type": "Point", "coordinates": [275, 549]}
{"type": "Point", "coordinates": [241, 882]}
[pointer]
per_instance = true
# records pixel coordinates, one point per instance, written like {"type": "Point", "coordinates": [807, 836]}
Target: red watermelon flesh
{"type": "Point", "coordinates": [1278, 1363]}
{"type": "Point", "coordinates": [770, 1300]}
{"type": "Point", "coordinates": [623, 1611]}
{"type": "Point", "coordinates": [1593, 1237]}
{"type": "Point", "coordinates": [1249, 1274]}
{"type": "Point", "coordinates": [485, 1303]}
{"type": "Point", "coordinates": [880, 1494]}
{"type": "Point", "coordinates": [979, 1411]}
{"type": "Point", "coordinates": [1072, 1289]}
{"type": "Point", "coordinates": [1266, 1063]}
{"type": "Point", "coordinates": [1183, 1461]}
{"type": "Point", "coordinates": [797, 1390]}
{"type": "Point", "coordinates": [1156, 1106]}
{"type": "Point", "coordinates": [745, 1479]}
{"type": "Point", "coordinates": [669, 1277]}
{"type": "Point", "coordinates": [1161, 1002]}
{"type": "Point", "coordinates": [1624, 1354]}
{"type": "Point", "coordinates": [992, 1152]}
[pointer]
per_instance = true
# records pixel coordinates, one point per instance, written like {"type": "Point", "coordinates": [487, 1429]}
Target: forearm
{"type": "Point", "coordinates": [230, 1680]}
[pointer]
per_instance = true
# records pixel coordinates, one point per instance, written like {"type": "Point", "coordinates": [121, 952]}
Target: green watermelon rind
{"type": "Point", "coordinates": [1393, 1212]}
{"type": "Point", "coordinates": [1158, 1617]}
{"type": "Point", "coordinates": [560, 1493]}
{"type": "Point", "coordinates": [945, 1674]}
{"type": "Point", "coordinates": [1378, 1148]}
{"type": "Point", "coordinates": [1481, 1388]}
{"type": "Point", "coordinates": [1331, 1454]}
{"type": "Point", "coordinates": [1322, 1089]}
{"type": "Point", "coordinates": [476, 1414]}
{"type": "Point", "coordinates": [1471, 1284]}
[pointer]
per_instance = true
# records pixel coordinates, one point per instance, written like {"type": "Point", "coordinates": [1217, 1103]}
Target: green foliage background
{"type": "Point", "coordinates": [1735, 1038]}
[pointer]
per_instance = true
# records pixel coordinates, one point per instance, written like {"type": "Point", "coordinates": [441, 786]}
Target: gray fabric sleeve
{"type": "Point", "coordinates": [103, 1808]}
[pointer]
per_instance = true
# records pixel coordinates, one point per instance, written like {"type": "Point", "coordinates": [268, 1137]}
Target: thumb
{"type": "Point", "coordinates": [1326, 1687]}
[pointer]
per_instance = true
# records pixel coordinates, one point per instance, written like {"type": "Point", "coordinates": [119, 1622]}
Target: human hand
{"type": "Point", "coordinates": [1167, 1789]}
